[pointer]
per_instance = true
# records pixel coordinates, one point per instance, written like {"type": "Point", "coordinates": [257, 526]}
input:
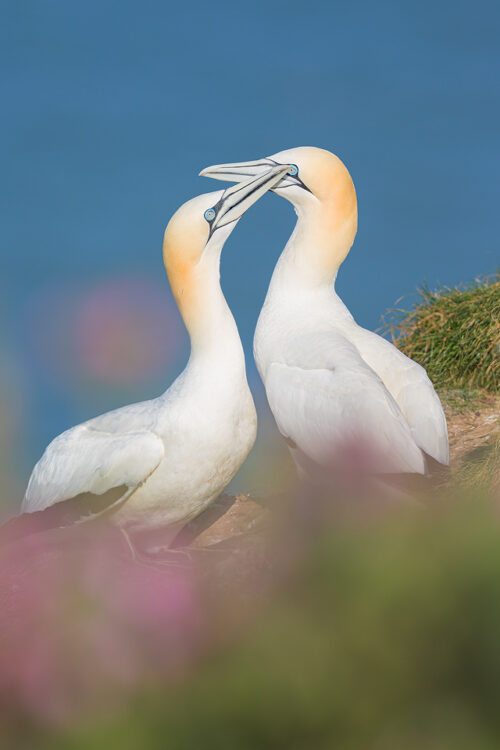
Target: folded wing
{"type": "Point", "coordinates": [325, 399]}
{"type": "Point", "coordinates": [412, 390]}
{"type": "Point", "coordinates": [88, 460]}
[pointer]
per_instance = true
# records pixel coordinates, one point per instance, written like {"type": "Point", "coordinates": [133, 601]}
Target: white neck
{"type": "Point", "coordinates": [215, 341]}
{"type": "Point", "coordinates": [315, 250]}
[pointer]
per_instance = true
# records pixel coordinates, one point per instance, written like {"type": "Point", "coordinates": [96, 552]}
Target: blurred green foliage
{"type": "Point", "coordinates": [386, 637]}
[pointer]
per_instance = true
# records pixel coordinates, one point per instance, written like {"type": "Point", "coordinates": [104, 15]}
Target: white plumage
{"type": "Point", "coordinates": [88, 459]}
{"type": "Point", "coordinates": [174, 454]}
{"type": "Point", "coordinates": [331, 384]}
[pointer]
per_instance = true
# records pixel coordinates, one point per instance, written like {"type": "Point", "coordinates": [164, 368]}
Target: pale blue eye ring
{"type": "Point", "coordinates": [293, 170]}
{"type": "Point", "coordinates": [209, 214]}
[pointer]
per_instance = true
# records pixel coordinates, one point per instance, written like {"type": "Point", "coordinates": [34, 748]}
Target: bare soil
{"type": "Point", "coordinates": [471, 426]}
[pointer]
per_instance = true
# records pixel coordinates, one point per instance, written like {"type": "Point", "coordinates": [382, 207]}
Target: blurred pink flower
{"type": "Point", "coordinates": [82, 624]}
{"type": "Point", "coordinates": [121, 331]}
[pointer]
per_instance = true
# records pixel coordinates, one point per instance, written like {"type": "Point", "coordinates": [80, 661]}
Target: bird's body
{"type": "Point", "coordinates": [163, 461]}
{"type": "Point", "coordinates": [208, 423]}
{"type": "Point", "coordinates": [334, 387]}
{"type": "Point", "coordinates": [177, 452]}
{"type": "Point", "coordinates": [331, 383]}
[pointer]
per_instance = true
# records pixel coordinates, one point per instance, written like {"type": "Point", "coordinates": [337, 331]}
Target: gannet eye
{"type": "Point", "coordinates": [293, 170]}
{"type": "Point", "coordinates": [209, 214]}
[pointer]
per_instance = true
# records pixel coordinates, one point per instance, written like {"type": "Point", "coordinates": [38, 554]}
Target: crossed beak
{"type": "Point", "coordinates": [244, 170]}
{"type": "Point", "coordinates": [236, 199]}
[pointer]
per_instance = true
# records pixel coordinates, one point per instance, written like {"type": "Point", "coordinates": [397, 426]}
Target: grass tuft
{"type": "Point", "coordinates": [454, 334]}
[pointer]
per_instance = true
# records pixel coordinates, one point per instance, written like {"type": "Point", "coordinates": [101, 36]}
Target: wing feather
{"type": "Point", "coordinates": [84, 459]}
{"type": "Point", "coordinates": [323, 396]}
{"type": "Point", "coordinates": [412, 390]}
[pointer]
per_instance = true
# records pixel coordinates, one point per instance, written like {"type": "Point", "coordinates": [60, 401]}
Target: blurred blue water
{"type": "Point", "coordinates": [110, 109]}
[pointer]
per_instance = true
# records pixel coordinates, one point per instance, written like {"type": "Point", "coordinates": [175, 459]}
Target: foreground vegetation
{"type": "Point", "coordinates": [349, 624]}
{"type": "Point", "coordinates": [454, 334]}
{"type": "Point", "coordinates": [385, 635]}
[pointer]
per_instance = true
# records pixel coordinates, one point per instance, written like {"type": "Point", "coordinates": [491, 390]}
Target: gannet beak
{"type": "Point", "coordinates": [236, 199]}
{"type": "Point", "coordinates": [237, 172]}
{"type": "Point", "coordinates": [243, 170]}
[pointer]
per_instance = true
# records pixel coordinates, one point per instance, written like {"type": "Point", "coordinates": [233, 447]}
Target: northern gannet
{"type": "Point", "coordinates": [331, 384]}
{"type": "Point", "coordinates": [159, 463]}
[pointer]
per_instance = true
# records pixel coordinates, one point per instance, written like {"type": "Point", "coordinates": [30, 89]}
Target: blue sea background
{"type": "Point", "coordinates": [109, 111]}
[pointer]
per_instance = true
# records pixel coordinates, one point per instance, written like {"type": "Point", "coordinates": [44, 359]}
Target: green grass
{"type": "Point", "coordinates": [460, 400]}
{"type": "Point", "coordinates": [454, 334]}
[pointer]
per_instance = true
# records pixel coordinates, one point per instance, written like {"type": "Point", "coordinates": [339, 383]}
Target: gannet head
{"type": "Point", "coordinates": [198, 230]}
{"type": "Point", "coordinates": [322, 192]}
{"type": "Point", "coordinates": [313, 173]}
